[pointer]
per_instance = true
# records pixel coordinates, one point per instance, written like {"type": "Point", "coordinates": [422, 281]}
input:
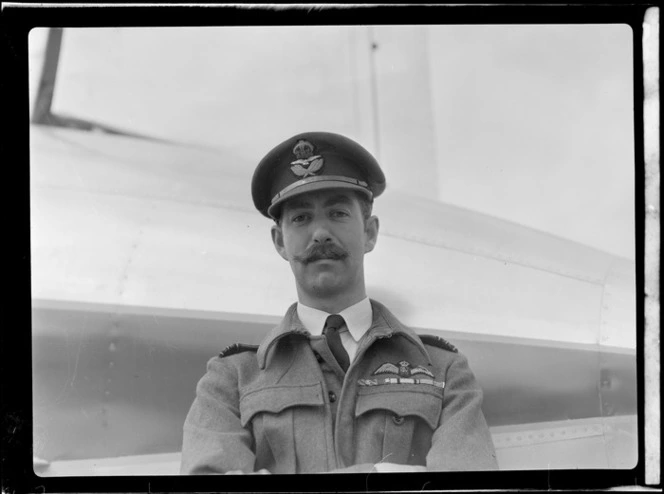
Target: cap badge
{"type": "Point", "coordinates": [306, 163]}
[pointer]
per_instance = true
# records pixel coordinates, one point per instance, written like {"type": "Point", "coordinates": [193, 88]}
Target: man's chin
{"type": "Point", "coordinates": [326, 284]}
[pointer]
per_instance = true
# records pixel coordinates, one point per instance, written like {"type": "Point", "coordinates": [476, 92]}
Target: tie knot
{"type": "Point", "coordinates": [334, 321]}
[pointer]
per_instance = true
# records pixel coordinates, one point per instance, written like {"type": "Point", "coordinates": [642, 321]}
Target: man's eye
{"type": "Point", "coordinates": [339, 213]}
{"type": "Point", "coordinates": [299, 218]}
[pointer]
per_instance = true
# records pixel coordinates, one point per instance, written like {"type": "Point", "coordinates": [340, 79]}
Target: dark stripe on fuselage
{"type": "Point", "coordinates": [111, 381]}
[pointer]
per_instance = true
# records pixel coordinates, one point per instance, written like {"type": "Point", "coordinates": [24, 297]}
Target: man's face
{"type": "Point", "coordinates": [324, 238]}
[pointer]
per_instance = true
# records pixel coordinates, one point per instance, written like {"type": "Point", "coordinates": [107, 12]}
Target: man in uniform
{"type": "Point", "coordinates": [340, 385]}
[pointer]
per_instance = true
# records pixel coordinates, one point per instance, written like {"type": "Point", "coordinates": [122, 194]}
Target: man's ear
{"type": "Point", "coordinates": [371, 231]}
{"type": "Point", "coordinates": [278, 240]}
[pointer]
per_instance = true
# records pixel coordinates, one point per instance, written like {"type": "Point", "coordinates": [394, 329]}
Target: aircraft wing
{"type": "Point", "coordinates": [148, 259]}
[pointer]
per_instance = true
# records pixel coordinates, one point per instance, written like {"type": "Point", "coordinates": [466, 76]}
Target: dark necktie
{"type": "Point", "coordinates": [331, 332]}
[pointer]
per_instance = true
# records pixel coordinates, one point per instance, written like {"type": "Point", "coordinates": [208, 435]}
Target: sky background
{"type": "Point", "coordinates": [533, 124]}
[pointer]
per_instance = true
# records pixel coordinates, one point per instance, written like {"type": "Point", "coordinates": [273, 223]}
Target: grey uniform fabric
{"type": "Point", "coordinates": [290, 408]}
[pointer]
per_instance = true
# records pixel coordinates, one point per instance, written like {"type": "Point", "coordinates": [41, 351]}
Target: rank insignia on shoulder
{"type": "Point", "coordinates": [437, 341]}
{"type": "Point", "coordinates": [237, 348]}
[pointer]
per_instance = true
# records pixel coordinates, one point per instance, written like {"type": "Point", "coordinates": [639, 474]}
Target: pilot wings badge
{"type": "Point", "coordinates": [306, 163]}
{"type": "Point", "coordinates": [402, 369]}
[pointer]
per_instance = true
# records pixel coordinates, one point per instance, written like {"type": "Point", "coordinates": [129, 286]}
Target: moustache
{"type": "Point", "coordinates": [317, 252]}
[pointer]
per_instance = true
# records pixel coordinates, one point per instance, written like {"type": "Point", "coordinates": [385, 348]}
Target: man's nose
{"type": "Point", "coordinates": [321, 232]}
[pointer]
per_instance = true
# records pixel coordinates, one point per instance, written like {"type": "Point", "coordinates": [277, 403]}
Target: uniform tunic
{"type": "Point", "coordinates": [289, 407]}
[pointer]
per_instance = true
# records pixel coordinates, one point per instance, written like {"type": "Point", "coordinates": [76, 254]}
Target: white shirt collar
{"type": "Point", "coordinates": [358, 318]}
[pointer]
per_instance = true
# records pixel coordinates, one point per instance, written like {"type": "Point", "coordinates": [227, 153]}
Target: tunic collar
{"type": "Point", "coordinates": [383, 325]}
{"type": "Point", "coordinates": [358, 318]}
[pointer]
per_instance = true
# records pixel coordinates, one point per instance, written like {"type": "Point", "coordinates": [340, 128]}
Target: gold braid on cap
{"type": "Point", "coordinates": [324, 178]}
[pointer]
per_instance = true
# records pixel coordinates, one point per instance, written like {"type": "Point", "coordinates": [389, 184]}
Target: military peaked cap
{"type": "Point", "coordinates": [313, 161]}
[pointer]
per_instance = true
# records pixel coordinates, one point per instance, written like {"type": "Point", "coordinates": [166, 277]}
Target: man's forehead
{"type": "Point", "coordinates": [326, 197]}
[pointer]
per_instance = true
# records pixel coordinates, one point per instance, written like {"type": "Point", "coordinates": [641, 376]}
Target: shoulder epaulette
{"type": "Point", "coordinates": [237, 348]}
{"type": "Point", "coordinates": [433, 340]}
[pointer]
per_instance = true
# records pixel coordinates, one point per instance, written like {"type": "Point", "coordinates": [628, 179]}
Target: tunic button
{"type": "Point", "coordinates": [398, 419]}
{"type": "Point", "coordinates": [333, 397]}
{"type": "Point", "coordinates": [318, 357]}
